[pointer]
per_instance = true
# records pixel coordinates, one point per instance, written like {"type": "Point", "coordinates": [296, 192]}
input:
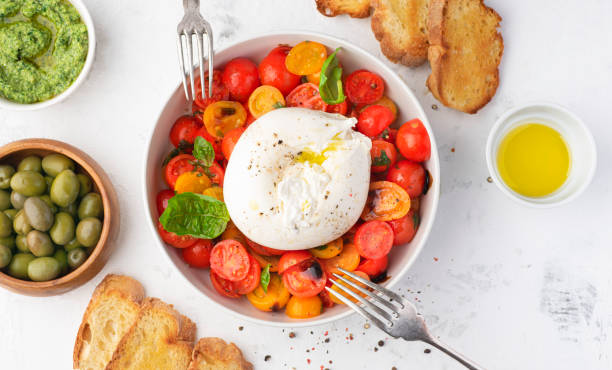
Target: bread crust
{"type": "Point", "coordinates": [216, 352]}
{"type": "Point", "coordinates": [354, 8]}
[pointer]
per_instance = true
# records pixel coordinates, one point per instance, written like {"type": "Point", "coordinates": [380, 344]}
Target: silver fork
{"type": "Point", "coordinates": [390, 312]}
{"type": "Point", "coordinates": [193, 24]}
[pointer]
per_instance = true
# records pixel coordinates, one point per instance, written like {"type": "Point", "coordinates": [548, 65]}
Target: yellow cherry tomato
{"type": "Point", "coordinates": [348, 259]}
{"type": "Point", "coordinates": [306, 58]}
{"type": "Point", "coordinates": [336, 289]}
{"type": "Point", "coordinates": [385, 102]}
{"type": "Point", "coordinates": [314, 78]}
{"type": "Point", "coordinates": [274, 299]}
{"type": "Point", "coordinates": [264, 99]}
{"type": "Point", "coordinates": [386, 201]}
{"type": "Point", "coordinates": [193, 182]}
{"type": "Point", "coordinates": [329, 250]}
{"type": "Point", "coordinates": [214, 192]}
{"type": "Point", "coordinates": [263, 261]}
{"type": "Point", "coordinates": [223, 116]}
{"type": "Point", "coordinates": [232, 232]}
{"type": "Point", "coordinates": [303, 308]}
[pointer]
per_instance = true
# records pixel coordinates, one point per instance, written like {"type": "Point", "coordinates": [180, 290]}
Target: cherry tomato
{"type": "Point", "coordinates": [389, 134]}
{"type": "Point", "coordinates": [216, 174]}
{"type": "Point", "coordinates": [348, 259]}
{"type": "Point", "coordinates": [184, 129]}
{"type": "Point", "coordinates": [177, 166]}
{"type": "Point", "coordinates": [264, 261]}
{"type": "Point", "coordinates": [241, 78]}
{"type": "Point", "coordinates": [162, 200]}
{"type": "Point", "coordinates": [198, 255]}
{"type": "Point", "coordinates": [219, 90]}
{"type": "Point", "coordinates": [329, 250]}
{"type": "Point", "coordinates": [251, 281]}
{"type": "Point", "coordinates": [385, 102]}
{"type": "Point", "coordinates": [373, 267]}
{"type": "Point", "coordinates": [305, 279]}
{"type": "Point", "coordinates": [383, 155]}
{"type": "Point", "coordinates": [405, 228]}
{"type": "Point", "coordinates": [191, 182]}
{"type": "Point", "coordinates": [326, 299]}
{"type": "Point", "coordinates": [264, 251]}
{"type": "Point", "coordinates": [303, 308]}
{"type": "Point", "coordinates": [413, 141]}
{"type": "Point", "coordinates": [230, 260]}
{"type": "Point", "coordinates": [177, 241]}
{"type": "Point", "coordinates": [336, 289]}
{"type": "Point", "coordinates": [314, 78]}
{"type": "Point", "coordinates": [364, 87]}
{"type": "Point", "coordinates": [409, 175]}
{"type": "Point", "coordinates": [222, 117]}
{"type": "Point", "coordinates": [265, 99]}
{"type": "Point", "coordinates": [306, 58]}
{"type": "Point", "coordinates": [229, 141]}
{"type": "Point", "coordinates": [374, 119]}
{"type": "Point", "coordinates": [214, 192]}
{"type": "Point", "coordinates": [232, 232]}
{"type": "Point", "coordinates": [223, 286]}
{"type": "Point", "coordinates": [291, 258]}
{"type": "Point", "coordinates": [386, 201]}
{"type": "Point", "coordinates": [273, 72]}
{"type": "Point", "coordinates": [341, 108]}
{"type": "Point", "coordinates": [306, 95]}
{"type": "Point", "coordinates": [272, 299]}
{"type": "Point", "coordinates": [374, 239]}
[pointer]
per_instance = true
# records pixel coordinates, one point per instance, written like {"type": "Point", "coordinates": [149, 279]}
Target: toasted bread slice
{"type": "Point", "coordinates": [161, 338]}
{"type": "Point", "coordinates": [215, 354]}
{"type": "Point", "coordinates": [112, 310]}
{"type": "Point", "coordinates": [465, 52]}
{"type": "Point", "coordinates": [401, 28]}
{"type": "Point", "coordinates": [354, 8]}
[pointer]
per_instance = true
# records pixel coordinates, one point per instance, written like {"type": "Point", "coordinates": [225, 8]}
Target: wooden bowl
{"type": "Point", "coordinates": [12, 153]}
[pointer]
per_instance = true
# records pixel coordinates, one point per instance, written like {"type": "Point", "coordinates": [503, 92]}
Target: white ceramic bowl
{"type": "Point", "coordinates": [91, 36]}
{"type": "Point", "coordinates": [580, 143]}
{"type": "Point", "coordinates": [256, 48]}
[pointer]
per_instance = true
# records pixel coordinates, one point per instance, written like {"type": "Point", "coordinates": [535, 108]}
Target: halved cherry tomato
{"type": "Point", "coordinates": [265, 99]}
{"type": "Point", "coordinates": [216, 173]}
{"type": "Point", "coordinates": [386, 201]}
{"type": "Point", "coordinates": [223, 116]}
{"type": "Point", "coordinates": [348, 259]}
{"type": "Point", "coordinates": [263, 260]}
{"type": "Point", "coordinates": [341, 108]}
{"type": "Point", "coordinates": [374, 119]}
{"type": "Point", "coordinates": [229, 141]}
{"type": "Point", "coordinates": [177, 241]}
{"type": "Point", "coordinates": [230, 260]}
{"type": "Point", "coordinates": [404, 228]}
{"type": "Point", "coordinates": [373, 267]}
{"type": "Point", "coordinates": [241, 77]}
{"type": "Point", "coordinates": [346, 295]}
{"type": "Point", "coordinates": [251, 281]}
{"type": "Point", "coordinates": [385, 102]}
{"type": "Point", "coordinates": [329, 250]}
{"type": "Point", "coordinates": [177, 166]}
{"type": "Point", "coordinates": [223, 286]}
{"type": "Point", "coordinates": [364, 87]}
{"type": "Point", "coordinates": [306, 95]}
{"type": "Point", "coordinates": [305, 279]}
{"type": "Point", "coordinates": [219, 90]}
{"type": "Point", "coordinates": [413, 141]}
{"type": "Point", "coordinates": [198, 255]}
{"type": "Point", "coordinates": [214, 192]}
{"type": "Point", "coordinates": [383, 155]}
{"type": "Point", "coordinates": [409, 175]}
{"type": "Point", "coordinates": [162, 200]}
{"type": "Point", "coordinates": [389, 135]}
{"type": "Point", "coordinates": [292, 258]}
{"type": "Point", "coordinates": [303, 308]}
{"type": "Point", "coordinates": [232, 232]}
{"type": "Point", "coordinates": [192, 182]}
{"type": "Point", "coordinates": [273, 72]}
{"type": "Point", "coordinates": [272, 299]}
{"type": "Point", "coordinates": [265, 251]}
{"type": "Point", "coordinates": [185, 129]}
{"type": "Point", "coordinates": [374, 239]}
{"type": "Point", "coordinates": [306, 58]}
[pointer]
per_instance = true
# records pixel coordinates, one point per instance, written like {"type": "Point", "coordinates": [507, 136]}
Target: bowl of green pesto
{"type": "Point", "coordinates": [47, 50]}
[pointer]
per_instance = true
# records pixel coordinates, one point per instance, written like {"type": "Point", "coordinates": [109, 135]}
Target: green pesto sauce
{"type": "Point", "coordinates": [43, 48]}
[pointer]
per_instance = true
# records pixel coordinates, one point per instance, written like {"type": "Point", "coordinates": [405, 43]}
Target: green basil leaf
{"type": "Point", "coordinates": [203, 151]}
{"type": "Point", "coordinates": [330, 85]}
{"type": "Point", "coordinates": [196, 215]}
{"type": "Point", "coordinates": [265, 278]}
{"type": "Point", "coordinates": [381, 160]}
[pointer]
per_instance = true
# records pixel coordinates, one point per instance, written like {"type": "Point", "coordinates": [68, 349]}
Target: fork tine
{"type": "Point", "coordinates": [209, 35]}
{"type": "Point", "coordinates": [201, 54]}
{"type": "Point", "coordinates": [374, 297]}
{"type": "Point", "coordinates": [363, 301]}
{"type": "Point", "coordinates": [359, 310]}
{"type": "Point", "coordinates": [376, 287]}
{"type": "Point", "coordinates": [189, 44]}
{"type": "Point", "coordinates": [179, 46]}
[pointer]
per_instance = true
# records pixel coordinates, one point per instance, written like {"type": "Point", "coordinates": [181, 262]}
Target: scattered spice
{"type": "Point", "coordinates": [241, 328]}
{"type": "Point", "coordinates": [326, 340]}
{"type": "Point", "coordinates": [267, 358]}
{"type": "Point", "coordinates": [366, 325]}
{"type": "Point", "coordinates": [311, 332]}
{"type": "Point", "coordinates": [436, 259]}
{"type": "Point", "coordinates": [291, 335]}
{"type": "Point", "coordinates": [434, 106]}
{"type": "Point", "coordinates": [452, 150]}
{"type": "Point", "coordinates": [351, 336]}
{"type": "Point", "coordinates": [489, 179]}
{"type": "Point", "coordinates": [308, 360]}
{"type": "Point", "coordinates": [375, 349]}
{"type": "Point", "coordinates": [427, 350]}
{"type": "Point", "coordinates": [381, 343]}
{"type": "Point", "coordinates": [326, 332]}
{"type": "Point", "coordinates": [394, 368]}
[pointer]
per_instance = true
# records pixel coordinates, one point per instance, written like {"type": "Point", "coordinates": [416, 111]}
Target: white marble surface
{"type": "Point", "coordinates": [512, 287]}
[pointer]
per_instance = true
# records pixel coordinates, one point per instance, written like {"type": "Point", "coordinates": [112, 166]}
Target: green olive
{"type": "Point", "coordinates": [72, 209]}
{"type": "Point", "coordinates": [39, 214]}
{"type": "Point", "coordinates": [76, 257]}
{"type": "Point", "coordinates": [55, 163]}
{"type": "Point", "coordinates": [88, 231]}
{"type": "Point", "coordinates": [62, 258]}
{"type": "Point", "coordinates": [11, 213]}
{"type": "Point", "coordinates": [5, 200]}
{"type": "Point", "coordinates": [6, 172]}
{"type": "Point", "coordinates": [21, 241]}
{"type": "Point", "coordinates": [85, 182]}
{"type": "Point", "coordinates": [17, 200]}
{"type": "Point", "coordinates": [47, 199]}
{"type": "Point", "coordinates": [74, 243]}
{"type": "Point", "coordinates": [8, 241]}
{"type": "Point", "coordinates": [6, 227]}
{"type": "Point", "coordinates": [62, 231]}
{"type": "Point", "coordinates": [43, 269]}
{"type": "Point", "coordinates": [31, 163]}
{"type": "Point", "coordinates": [39, 243]}
{"type": "Point", "coordinates": [29, 183]}
{"type": "Point", "coordinates": [18, 268]}
{"type": "Point", "coordinates": [65, 188]}
{"type": "Point", "coordinates": [21, 224]}
{"type": "Point", "coordinates": [90, 206]}
{"type": "Point", "coordinates": [5, 256]}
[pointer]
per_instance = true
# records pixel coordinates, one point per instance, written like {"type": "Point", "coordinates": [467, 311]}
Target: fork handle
{"type": "Point", "coordinates": [191, 5]}
{"type": "Point", "coordinates": [454, 354]}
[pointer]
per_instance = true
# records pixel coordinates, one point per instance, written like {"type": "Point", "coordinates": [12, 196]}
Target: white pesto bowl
{"type": "Point", "coordinates": [91, 38]}
{"type": "Point", "coordinates": [352, 58]}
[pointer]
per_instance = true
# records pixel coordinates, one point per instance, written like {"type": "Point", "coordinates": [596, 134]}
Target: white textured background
{"type": "Point", "coordinates": [513, 288]}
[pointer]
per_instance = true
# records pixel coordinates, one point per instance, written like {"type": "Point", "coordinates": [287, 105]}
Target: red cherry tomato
{"type": "Point", "coordinates": [264, 251]}
{"type": "Point", "coordinates": [185, 129]}
{"type": "Point", "coordinates": [216, 173]}
{"type": "Point", "coordinates": [389, 134]}
{"type": "Point", "coordinates": [229, 141]}
{"type": "Point", "coordinates": [373, 267]}
{"type": "Point", "coordinates": [251, 281]}
{"type": "Point", "coordinates": [305, 279]}
{"type": "Point", "coordinates": [198, 255]}
{"type": "Point", "coordinates": [223, 286]}
{"type": "Point", "coordinates": [374, 239]}
{"type": "Point", "coordinates": [162, 200]}
{"type": "Point", "coordinates": [404, 228]}
{"type": "Point", "coordinates": [272, 70]}
{"type": "Point", "coordinates": [327, 302]}
{"type": "Point", "coordinates": [409, 175]}
{"type": "Point", "coordinates": [230, 260]}
{"type": "Point", "coordinates": [364, 87]}
{"type": "Point", "coordinates": [177, 241]}
{"type": "Point", "coordinates": [374, 119]}
{"type": "Point", "coordinates": [178, 165]}
{"type": "Point", "coordinates": [413, 141]}
{"type": "Point", "coordinates": [219, 90]}
{"type": "Point", "coordinates": [291, 258]}
{"type": "Point", "coordinates": [241, 78]}
{"type": "Point", "coordinates": [306, 95]}
{"type": "Point", "coordinates": [341, 108]}
{"type": "Point", "coordinates": [383, 155]}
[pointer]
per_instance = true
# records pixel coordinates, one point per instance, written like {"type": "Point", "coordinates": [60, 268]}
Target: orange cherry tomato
{"type": "Point", "coordinates": [314, 78]}
{"type": "Point", "coordinates": [272, 299]}
{"type": "Point", "coordinates": [263, 260]}
{"type": "Point", "coordinates": [192, 182]}
{"type": "Point", "coordinates": [214, 192]}
{"type": "Point", "coordinates": [354, 300]}
{"type": "Point", "coordinates": [223, 116]}
{"type": "Point", "coordinates": [306, 58]}
{"type": "Point", "coordinates": [265, 99]}
{"type": "Point", "coordinates": [231, 232]}
{"type": "Point", "coordinates": [383, 155]}
{"type": "Point", "coordinates": [303, 308]}
{"type": "Point", "coordinates": [348, 259]}
{"type": "Point", "coordinates": [229, 141]}
{"type": "Point", "coordinates": [386, 201]}
{"type": "Point", "coordinates": [329, 250]}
